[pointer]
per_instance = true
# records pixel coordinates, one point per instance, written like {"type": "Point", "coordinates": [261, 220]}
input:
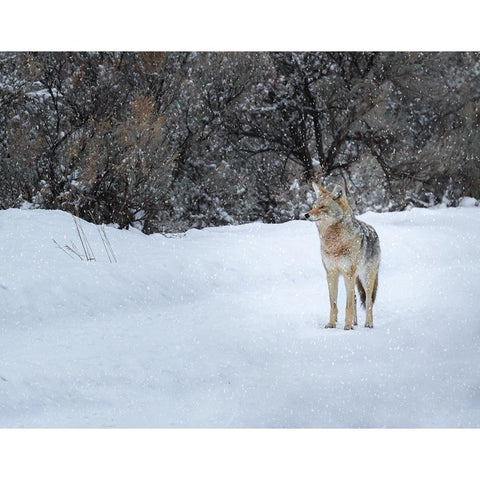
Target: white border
{"type": "Point", "coordinates": [241, 26]}
{"type": "Point", "coordinates": [239, 454]}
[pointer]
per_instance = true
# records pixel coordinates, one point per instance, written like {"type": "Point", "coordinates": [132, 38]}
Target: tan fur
{"type": "Point", "coordinates": [333, 242]}
{"type": "Point", "coordinates": [349, 248]}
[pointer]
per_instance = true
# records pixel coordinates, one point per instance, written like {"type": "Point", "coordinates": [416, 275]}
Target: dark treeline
{"type": "Point", "coordinates": [169, 141]}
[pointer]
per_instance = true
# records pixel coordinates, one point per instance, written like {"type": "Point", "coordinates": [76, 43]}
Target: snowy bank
{"type": "Point", "coordinates": [223, 327]}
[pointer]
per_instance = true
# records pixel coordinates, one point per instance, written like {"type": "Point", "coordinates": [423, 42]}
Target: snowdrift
{"type": "Point", "coordinates": [223, 327]}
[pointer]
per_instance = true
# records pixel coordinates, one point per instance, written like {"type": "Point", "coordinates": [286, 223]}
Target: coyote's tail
{"type": "Point", "coordinates": [363, 294]}
{"type": "Point", "coordinates": [361, 291]}
{"type": "Point", "coordinates": [375, 287]}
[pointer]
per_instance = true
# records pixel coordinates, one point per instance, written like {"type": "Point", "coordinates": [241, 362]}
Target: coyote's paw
{"type": "Point", "coordinates": [368, 325]}
{"type": "Point", "coordinates": [348, 327]}
{"type": "Point", "coordinates": [330, 325]}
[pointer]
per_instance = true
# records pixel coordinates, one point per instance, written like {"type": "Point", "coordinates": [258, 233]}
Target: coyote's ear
{"type": "Point", "coordinates": [319, 190]}
{"type": "Point", "coordinates": [338, 193]}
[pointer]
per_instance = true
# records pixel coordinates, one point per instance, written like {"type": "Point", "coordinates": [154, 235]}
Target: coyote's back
{"type": "Point", "coordinates": [350, 248]}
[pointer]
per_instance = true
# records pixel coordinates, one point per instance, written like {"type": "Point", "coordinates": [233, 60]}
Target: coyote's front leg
{"type": "Point", "coordinates": [332, 280]}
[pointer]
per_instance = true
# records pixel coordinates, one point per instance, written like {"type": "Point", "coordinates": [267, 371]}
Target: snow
{"type": "Point", "coordinates": [223, 327]}
{"type": "Point", "coordinates": [467, 202]}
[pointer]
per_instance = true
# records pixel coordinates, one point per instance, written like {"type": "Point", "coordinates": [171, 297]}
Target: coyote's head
{"type": "Point", "coordinates": [330, 207]}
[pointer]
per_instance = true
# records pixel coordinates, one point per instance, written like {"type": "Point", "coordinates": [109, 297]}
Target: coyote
{"type": "Point", "coordinates": [350, 248]}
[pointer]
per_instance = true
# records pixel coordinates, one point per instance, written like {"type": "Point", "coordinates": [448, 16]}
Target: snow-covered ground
{"type": "Point", "coordinates": [223, 327]}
